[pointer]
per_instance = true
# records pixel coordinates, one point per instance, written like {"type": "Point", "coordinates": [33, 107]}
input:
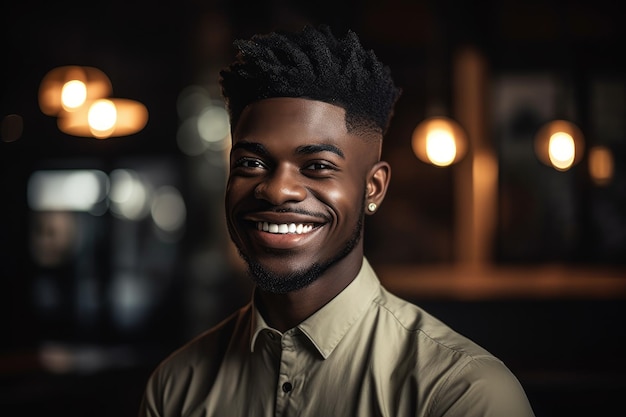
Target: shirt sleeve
{"type": "Point", "coordinates": [171, 389]}
{"type": "Point", "coordinates": [151, 398]}
{"type": "Point", "coordinates": [482, 387]}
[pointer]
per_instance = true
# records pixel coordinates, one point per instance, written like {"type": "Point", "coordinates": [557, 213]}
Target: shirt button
{"type": "Point", "coordinates": [287, 387]}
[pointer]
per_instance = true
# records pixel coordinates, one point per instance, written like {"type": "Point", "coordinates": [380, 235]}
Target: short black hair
{"type": "Point", "coordinates": [312, 64]}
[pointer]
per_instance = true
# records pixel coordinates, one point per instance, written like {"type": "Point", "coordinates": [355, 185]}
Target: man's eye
{"type": "Point", "coordinates": [249, 163]}
{"type": "Point", "coordinates": [317, 166]}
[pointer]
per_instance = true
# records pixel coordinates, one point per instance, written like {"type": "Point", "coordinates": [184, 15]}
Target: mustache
{"type": "Point", "coordinates": [292, 210]}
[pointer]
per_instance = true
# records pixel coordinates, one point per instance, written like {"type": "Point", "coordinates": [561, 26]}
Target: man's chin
{"type": "Point", "coordinates": [282, 282]}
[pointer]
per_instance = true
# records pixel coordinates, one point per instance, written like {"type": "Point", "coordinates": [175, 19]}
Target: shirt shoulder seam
{"type": "Point", "coordinates": [419, 330]}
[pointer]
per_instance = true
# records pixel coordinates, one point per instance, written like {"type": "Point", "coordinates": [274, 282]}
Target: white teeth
{"type": "Point", "coordinates": [284, 228]}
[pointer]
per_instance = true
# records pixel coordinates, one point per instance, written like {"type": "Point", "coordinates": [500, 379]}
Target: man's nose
{"type": "Point", "coordinates": [281, 186]}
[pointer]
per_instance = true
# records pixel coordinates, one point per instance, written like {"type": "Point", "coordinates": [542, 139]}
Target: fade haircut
{"type": "Point", "coordinates": [312, 64]}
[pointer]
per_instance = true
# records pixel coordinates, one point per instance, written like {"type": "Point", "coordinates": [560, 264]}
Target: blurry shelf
{"type": "Point", "coordinates": [459, 282]}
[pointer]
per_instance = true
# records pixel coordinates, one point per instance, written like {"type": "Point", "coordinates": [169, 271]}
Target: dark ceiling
{"type": "Point", "coordinates": [151, 51]}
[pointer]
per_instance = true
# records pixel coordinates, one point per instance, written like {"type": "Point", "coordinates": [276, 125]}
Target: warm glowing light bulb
{"type": "Point", "coordinates": [439, 141]}
{"type": "Point", "coordinates": [440, 147]}
{"type": "Point", "coordinates": [561, 150]}
{"type": "Point", "coordinates": [559, 144]}
{"type": "Point", "coordinates": [73, 94]}
{"type": "Point", "coordinates": [102, 117]}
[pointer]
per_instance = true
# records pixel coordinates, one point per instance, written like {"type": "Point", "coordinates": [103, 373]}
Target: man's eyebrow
{"type": "Point", "coordinates": [253, 147]}
{"type": "Point", "coordinates": [324, 147]}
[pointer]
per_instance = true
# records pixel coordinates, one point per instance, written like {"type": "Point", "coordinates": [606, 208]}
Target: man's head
{"type": "Point", "coordinates": [312, 64]}
{"type": "Point", "coordinates": [308, 114]}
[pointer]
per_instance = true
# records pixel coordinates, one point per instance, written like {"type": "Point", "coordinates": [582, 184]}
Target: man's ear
{"type": "Point", "coordinates": [377, 183]}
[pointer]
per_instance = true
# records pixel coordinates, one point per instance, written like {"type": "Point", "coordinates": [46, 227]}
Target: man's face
{"type": "Point", "coordinates": [296, 190]}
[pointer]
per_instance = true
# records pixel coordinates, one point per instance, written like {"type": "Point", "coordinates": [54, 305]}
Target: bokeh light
{"type": "Point", "coordinates": [129, 196]}
{"type": "Point", "coordinates": [559, 144]}
{"type": "Point", "coordinates": [188, 138]}
{"type": "Point", "coordinates": [101, 117]}
{"type": "Point", "coordinates": [73, 95]}
{"type": "Point", "coordinates": [71, 190]}
{"type": "Point", "coordinates": [168, 209]}
{"type": "Point", "coordinates": [191, 101]}
{"type": "Point", "coordinates": [561, 150]}
{"type": "Point", "coordinates": [439, 141]}
{"type": "Point", "coordinates": [601, 165]}
{"type": "Point", "coordinates": [204, 122]}
{"type": "Point", "coordinates": [213, 124]}
{"type": "Point", "coordinates": [440, 147]}
{"type": "Point", "coordinates": [62, 84]}
{"type": "Point", "coordinates": [105, 118]}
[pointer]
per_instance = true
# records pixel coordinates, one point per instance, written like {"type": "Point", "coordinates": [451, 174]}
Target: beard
{"type": "Point", "coordinates": [281, 284]}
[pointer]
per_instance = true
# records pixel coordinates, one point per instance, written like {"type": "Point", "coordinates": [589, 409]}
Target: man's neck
{"type": "Point", "coordinates": [286, 311]}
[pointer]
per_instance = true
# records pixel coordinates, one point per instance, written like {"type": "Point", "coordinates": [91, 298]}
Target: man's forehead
{"type": "Point", "coordinates": [303, 121]}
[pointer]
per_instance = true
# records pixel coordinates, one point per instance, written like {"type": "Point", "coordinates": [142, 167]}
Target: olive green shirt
{"type": "Point", "coordinates": [365, 353]}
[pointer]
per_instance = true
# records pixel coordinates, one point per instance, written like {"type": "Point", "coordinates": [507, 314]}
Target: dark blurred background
{"type": "Point", "coordinates": [527, 260]}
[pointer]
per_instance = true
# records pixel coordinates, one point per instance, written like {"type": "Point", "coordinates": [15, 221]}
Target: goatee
{"type": "Point", "coordinates": [281, 284]}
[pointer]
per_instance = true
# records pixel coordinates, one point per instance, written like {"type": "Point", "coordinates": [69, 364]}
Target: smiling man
{"type": "Point", "coordinates": [321, 337]}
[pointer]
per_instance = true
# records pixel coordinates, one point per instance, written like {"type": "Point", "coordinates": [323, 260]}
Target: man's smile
{"type": "Point", "coordinates": [283, 235]}
{"type": "Point", "coordinates": [296, 224]}
{"type": "Point", "coordinates": [284, 228]}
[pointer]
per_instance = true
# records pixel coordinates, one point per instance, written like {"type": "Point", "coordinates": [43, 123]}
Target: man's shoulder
{"type": "Point", "coordinates": [429, 331]}
{"type": "Point", "coordinates": [449, 363]}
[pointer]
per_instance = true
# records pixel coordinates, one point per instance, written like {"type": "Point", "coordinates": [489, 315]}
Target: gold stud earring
{"type": "Point", "coordinates": [372, 207]}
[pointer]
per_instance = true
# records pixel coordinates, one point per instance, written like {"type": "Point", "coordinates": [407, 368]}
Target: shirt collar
{"type": "Point", "coordinates": [327, 326]}
{"type": "Point", "coordinates": [257, 324]}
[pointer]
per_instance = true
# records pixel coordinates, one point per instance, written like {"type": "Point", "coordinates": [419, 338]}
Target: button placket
{"type": "Point", "coordinates": [288, 365]}
{"type": "Point", "coordinates": [287, 354]}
